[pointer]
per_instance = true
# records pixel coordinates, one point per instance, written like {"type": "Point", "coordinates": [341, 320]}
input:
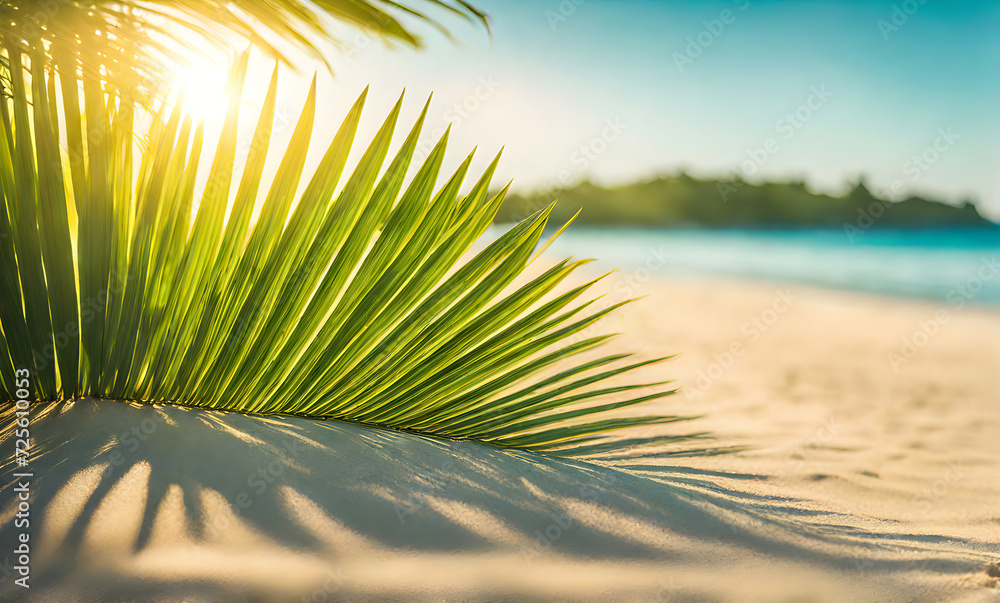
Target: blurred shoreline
{"type": "Point", "coordinates": [957, 266]}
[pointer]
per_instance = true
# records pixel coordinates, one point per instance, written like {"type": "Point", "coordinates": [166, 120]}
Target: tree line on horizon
{"type": "Point", "coordinates": [683, 201]}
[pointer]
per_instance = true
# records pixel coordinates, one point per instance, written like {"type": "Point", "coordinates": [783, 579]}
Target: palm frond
{"type": "Point", "coordinates": [123, 40]}
{"type": "Point", "coordinates": [345, 301]}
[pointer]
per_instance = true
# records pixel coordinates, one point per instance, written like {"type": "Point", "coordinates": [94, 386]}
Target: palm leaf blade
{"type": "Point", "coordinates": [353, 305]}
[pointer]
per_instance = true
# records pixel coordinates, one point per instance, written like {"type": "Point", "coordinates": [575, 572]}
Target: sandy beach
{"type": "Point", "coordinates": [870, 473]}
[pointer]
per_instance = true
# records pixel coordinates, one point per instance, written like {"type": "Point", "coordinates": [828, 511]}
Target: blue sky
{"type": "Point", "coordinates": [820, 91]}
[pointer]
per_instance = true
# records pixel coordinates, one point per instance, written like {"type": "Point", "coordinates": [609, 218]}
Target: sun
{"type": "Point", "coordinates": [202, 90]}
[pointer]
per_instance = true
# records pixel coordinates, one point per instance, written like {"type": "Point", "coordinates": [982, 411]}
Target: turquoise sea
{"type": "Point", "coordinates": [954, 265]}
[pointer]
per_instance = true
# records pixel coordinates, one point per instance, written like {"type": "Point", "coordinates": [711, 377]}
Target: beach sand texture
{"type": "Point", "coordinates": [859, 482]}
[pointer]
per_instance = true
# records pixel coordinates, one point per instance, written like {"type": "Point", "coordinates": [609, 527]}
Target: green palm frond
{"type": "Point", "coordinates": [125, 40]}
{"type": "Point", "coordinates": [347, 301]}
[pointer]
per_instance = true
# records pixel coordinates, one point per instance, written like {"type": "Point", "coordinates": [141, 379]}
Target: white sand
{"type": "Point", "coordinates": [860, 484]}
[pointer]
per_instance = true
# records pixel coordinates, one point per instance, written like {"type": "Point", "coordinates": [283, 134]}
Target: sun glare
{"type": "Point", "coordinates": [202, 90]}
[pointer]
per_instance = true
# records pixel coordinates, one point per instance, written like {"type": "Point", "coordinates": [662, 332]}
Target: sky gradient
{"type": "Point", "coordinates": [904, 93]}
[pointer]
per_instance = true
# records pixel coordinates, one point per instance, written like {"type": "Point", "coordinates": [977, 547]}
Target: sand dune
{"type": "Point", "coordinates": [859, 483]}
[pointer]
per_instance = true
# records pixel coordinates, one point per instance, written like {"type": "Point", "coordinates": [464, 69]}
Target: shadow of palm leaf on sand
{"type": "Point", "coordinates": [173, 499]}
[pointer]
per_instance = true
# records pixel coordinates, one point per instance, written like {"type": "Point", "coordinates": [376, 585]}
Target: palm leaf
{"type": "Point", "coordinates": [122, 40]}
{"type": "Point", "coordinates": [348, 302]}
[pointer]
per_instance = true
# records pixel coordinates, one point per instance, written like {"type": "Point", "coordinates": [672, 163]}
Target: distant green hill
{"type": "Point", "coordinates": [683, 201]}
